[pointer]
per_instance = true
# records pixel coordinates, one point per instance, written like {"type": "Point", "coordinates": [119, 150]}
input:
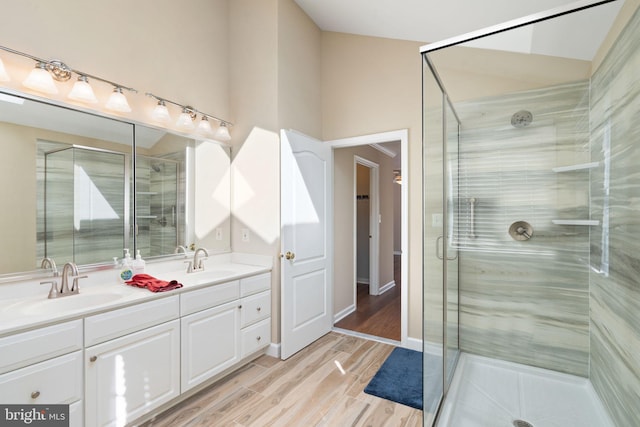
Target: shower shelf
{"type": "Point", "coordinates": [575, 221]}
{"type": "Point", "coordinates": [577, 167]}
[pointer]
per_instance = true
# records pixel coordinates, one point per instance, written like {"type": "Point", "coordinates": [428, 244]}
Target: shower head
{"type": "Point", "coordinates": [156, 167]}
{"type": "Point", "coordinates": [521, 119]}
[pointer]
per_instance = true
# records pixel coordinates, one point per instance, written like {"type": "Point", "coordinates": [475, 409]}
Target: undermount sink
{"type": "Point", "coordinates": [59, 305]}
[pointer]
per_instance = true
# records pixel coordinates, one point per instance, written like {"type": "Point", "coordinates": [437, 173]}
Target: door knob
{"type": "Point", "coordinates": [289, 255]}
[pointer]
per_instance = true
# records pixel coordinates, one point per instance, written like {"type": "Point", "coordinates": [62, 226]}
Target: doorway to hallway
{"type": "Point", "coordinates": [377, 315]}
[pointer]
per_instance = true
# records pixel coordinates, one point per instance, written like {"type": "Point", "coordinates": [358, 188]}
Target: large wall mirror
{"type": "Point", "coordinates": [81, 187]}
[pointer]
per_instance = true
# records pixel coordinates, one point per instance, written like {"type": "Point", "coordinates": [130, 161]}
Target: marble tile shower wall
{"type": "Point", "coordinates": [525, 301]}
{"type": "Point", "coordinates": [615, 243]}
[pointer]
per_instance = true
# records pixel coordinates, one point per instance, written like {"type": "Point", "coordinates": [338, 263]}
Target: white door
{"type": "Point", "coordinates": [306, 230]}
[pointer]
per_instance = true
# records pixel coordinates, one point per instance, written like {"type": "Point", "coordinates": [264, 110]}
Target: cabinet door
{"type": "Point", "coordinates": [132, 375]}
{"type": "Point", "coordinates": [210, 343]}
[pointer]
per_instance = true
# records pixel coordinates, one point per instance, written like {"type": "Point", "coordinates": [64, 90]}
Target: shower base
{"type": "Point", "coordinates": [487, 392]}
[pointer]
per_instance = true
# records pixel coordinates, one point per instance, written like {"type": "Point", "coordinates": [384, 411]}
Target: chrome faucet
{"type": "Point", "coordinates": [70, 268]}
{"type": "Point", "coordinates": [49, 263]}
{"type": "Point", "coordinates": [196, 264]}
{"type": "Point", "coordinates": [179, 249]}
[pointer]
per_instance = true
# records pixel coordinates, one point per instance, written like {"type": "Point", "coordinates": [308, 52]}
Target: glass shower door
{"type": "Point", "coordinates": [434, 231]}
{"type": "Point", "coordinates": [440, 262]}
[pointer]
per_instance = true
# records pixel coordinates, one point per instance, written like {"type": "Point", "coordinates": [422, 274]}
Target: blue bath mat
{"type": "Point", "coordinates": [399, 378]}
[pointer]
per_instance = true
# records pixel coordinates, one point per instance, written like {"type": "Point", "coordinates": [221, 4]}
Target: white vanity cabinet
{"type": "Point", "coordinates": [44, 366]}
{"type": "Point", "coordinates": [223, 324]}
{"type": "Point", "coordinates": [134, 367]}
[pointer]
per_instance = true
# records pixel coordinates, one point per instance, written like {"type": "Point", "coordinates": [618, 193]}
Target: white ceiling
{"type": "Point", "coordinates": [430, 21]}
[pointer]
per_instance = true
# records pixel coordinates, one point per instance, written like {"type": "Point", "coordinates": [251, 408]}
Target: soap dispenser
{"type": "Point", "coordinates": [126, 268]}
{"type": "Point", "coordinates": [138, 264]}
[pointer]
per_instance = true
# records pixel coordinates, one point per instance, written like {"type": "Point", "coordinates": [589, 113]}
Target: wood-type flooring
{"type": "Point", "coordinates": [377, 315]}
{"type": "Point", "coordinates": [322, 385]}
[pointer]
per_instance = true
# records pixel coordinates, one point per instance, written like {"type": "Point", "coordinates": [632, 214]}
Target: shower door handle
{"type": "Point", "coordinates": [438, 254]}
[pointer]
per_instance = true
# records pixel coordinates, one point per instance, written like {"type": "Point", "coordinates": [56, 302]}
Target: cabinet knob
{"type": "Point", "coordinates": [258, 308]}
{"type": "Point", "coordinates": [35, 394]}
{"type": "Point", "coordinates": [240, 306]}
{"type": "Point", "coordinates": [258, 338]}
{"type": "Point", "coordinates": [93, 358]}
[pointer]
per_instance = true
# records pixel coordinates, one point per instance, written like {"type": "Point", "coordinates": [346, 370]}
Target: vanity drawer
{"type": "Point", "coordinates": [58, 380]}
{"type": "Point", "coordinates": [191, 302]}
{"type": "Point", "coordinates": [256, 337]}
{"type": "Point", "coordinates": [254, 308]}
{"type": "Point", "coordinates": [26, 348]}
{"type": "Point", "coordinates": [116, 323]}
{"type": "Point", "coordinates": [255, 284]}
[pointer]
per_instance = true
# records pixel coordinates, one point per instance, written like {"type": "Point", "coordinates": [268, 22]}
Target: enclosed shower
{"type": "Point", "coordinates": [531, 264]}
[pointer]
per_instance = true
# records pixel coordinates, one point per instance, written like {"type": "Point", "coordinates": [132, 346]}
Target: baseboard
{"type": "Point", "coordinates": [274, 350]}
{"type": "Point", "coordinates": [386, 287]}
{"type": "Point", "coordinates": [363, 280]}
{"type": "Point", "coordinates": [344, 313]}
{"type": "Point", "coordinates": [414, 344]}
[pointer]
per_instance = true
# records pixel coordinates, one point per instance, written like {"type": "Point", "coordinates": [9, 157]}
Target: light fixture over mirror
{"type": "Point", "coordinates": [40, 80]}
{"type": "Point", "coordinates": [118, 102]}
{"type": "Point", "coordinates": [82, 91]}
{"type": "Point", "coordinates": [43, 77]}
{"type": "Point", "coordinates": [222, 134]}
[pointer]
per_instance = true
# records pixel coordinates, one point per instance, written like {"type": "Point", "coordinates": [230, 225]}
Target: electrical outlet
{"type": "Point", "coordinates": [218, 233]}
{"type": "Point", "coordinates": [245, 234]}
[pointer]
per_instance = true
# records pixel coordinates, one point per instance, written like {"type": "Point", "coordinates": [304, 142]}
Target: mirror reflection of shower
{"type": "Point", "coordinates": [157, 198]}
{"type": "Point", "coordinates": [85, 192]}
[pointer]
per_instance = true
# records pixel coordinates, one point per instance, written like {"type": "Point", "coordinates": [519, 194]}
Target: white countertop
{"type": "Point", "coordinates": [24, 305]}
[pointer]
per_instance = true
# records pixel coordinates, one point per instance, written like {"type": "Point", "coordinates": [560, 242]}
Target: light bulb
{"type": "Point", "coordinates": [160, 113]}
{"type": "Point", "coordinates": [185, 121]}
{"type": "Point", "coordinates": [118, 102]}
{"type": "Point", "coordinates": [82, 91]}
{"type": "Point", "coordinates": [4, 76]}
{"type": "Point", "coordinates": [222, 134]}
{"type": "Point", "coordinates": [204, 127]}
{"type": "Point", "coordinates": [40, 80]}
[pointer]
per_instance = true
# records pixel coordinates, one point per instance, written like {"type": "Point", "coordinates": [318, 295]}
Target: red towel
{"type": "Point", "coordinates": [153, 284]}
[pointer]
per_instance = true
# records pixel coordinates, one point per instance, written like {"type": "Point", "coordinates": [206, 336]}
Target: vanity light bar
{"type": "Point", "coordinates": [187, 116]}
{"type": "Point", "coordinates": [41, 79]}
{"type": "Point", "coordinates": [46, 71]}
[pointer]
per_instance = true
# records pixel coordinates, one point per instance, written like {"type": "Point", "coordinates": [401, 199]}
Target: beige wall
{"type": "Point", "coordinates": [177, 50]}
{"type": "Point", "coordinates": [274, 84]}
{"type": "Point", "coordinates": [373, 85]}
{"type": "Point", "coordinates": [344, 250]}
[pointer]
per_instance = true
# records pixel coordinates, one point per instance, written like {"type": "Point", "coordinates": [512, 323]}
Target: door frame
{"type": "Point", "coordinates": [401, 135]}
{"type": "Point", "coordinates": [374, 225]}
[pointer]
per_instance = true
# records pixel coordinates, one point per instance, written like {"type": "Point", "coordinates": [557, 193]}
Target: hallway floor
{"type": "Point", "coordinates": [377, 315]}
{"type": "Point", "coordinates": [322, 385]}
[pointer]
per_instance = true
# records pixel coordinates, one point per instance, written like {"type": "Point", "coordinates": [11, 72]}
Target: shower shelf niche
{"type": "Point", "coordinates": [575, 221]}
{"type": "Point", "coordinates": [577, 167]}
